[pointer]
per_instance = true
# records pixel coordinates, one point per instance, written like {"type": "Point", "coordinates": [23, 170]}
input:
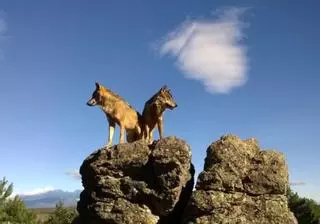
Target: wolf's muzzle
{"type": "Point", "coordinates": [90, 103]}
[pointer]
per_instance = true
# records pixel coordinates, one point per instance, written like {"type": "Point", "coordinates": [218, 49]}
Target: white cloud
{"type": "Point", "coordinates": [74, 173]}
{"type": "Point", "coordinates": [35, 191]}
{"type": "Point", "coordinates": [210, 50]}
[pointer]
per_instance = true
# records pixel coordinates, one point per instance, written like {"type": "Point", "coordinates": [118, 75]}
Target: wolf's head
{"type": "Point", "coordinates": [166, 98]}
{"type": "Point", "coordinates": [96, 98]}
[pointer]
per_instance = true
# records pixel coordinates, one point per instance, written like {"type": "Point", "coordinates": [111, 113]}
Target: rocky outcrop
{"type": "Point", "coordinates": [240, 185]}
{"type": "Point", "coordinates": [149, 184]}
{"type": "Point", "coordinates": [136, 183]}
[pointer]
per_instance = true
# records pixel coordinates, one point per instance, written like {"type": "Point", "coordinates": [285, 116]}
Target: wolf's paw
{"type": "Point", "coordinates": [153, 143]}
{"type": "Point", "coordinates": [107, 146]}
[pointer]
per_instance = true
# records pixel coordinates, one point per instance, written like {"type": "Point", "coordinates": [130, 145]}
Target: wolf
{"type": "Point", "coordinates": [153, 111]}
{"type": "Point", "coordinates": [119, 112]}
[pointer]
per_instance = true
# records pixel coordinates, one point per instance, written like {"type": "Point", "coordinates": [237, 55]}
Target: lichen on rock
{"type": "Point", "coordinates": [240, 185]}
{"type": "Point", "coordinates": [153, 184]}
{"type": "Point", "coordinates": [136, 183]}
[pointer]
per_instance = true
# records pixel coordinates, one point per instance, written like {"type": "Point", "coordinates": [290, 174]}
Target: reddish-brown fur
{"type": "Point", "coordinates": [118, 111]}
{"type": "Point", "coordinates": [152, 114]}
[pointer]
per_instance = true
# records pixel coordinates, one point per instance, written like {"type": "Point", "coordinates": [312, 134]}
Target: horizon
{"type": "Point", "coordinates": [257, 76]}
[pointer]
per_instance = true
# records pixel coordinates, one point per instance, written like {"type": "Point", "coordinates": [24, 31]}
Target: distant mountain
{"type": "Point", "coordinates": [50, 198]}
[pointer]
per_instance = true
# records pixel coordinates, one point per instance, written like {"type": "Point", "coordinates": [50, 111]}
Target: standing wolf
{"type": "Point", "coordinates": [118, 111]}
{"type": "Point", "coordinates": [152, 114]}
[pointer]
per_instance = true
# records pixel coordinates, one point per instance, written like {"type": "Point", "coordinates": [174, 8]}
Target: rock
{"type": "Point", "coordinates": [240, 184]}
{"type": "Point", "coordinates": [136, 183]}
{"type": "Point", "coordinates": [220, 207]}
{"type": "Point", "coordinates": [268, 174]}
{"type": "Point", "coordinates": [233, 165]}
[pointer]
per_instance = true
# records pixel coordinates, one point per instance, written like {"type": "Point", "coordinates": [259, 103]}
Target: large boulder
{"type": "Point", "coordinates": [240, 185]}
{"type": "Point", "coordinates": [136, 183]}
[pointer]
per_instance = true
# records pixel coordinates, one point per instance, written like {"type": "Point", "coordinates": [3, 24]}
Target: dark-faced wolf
{"type": "Point", "coordinates": [118, 111]}
{"type": "Point", "coordinates": [153, 111]}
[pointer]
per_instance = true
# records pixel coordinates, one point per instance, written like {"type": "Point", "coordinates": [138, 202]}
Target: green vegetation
{"type": "Point", "coordinates": [62, 215]}
{"type": "Point", "coordinates": [42, 213]}
{"type": "Point", "coordinates": [13, 210]}
{"type": "Point", "coordinates": [307, 211]}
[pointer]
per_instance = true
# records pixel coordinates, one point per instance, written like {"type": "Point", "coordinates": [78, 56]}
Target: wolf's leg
{"type": "Point", "coordinates": [146, 133]}
{"type": "Point", "coordinates": [122, 130]}
{"type": "Point", "coordinates": [141, 136]}
{"type": "Point", "coordinates": [112, 125]}
{"type": "Point", "coordinates": [160, 127]}
{"type": "Point", "coordinates": [150, 138]}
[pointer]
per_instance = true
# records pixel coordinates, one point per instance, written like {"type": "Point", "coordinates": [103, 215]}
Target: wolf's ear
{"type": "Point", "coordinates": [166, 89]}
{"type": "Point", "coordinates": [163, 88]}
{"type": "Point", "coordinates": [97, 85]}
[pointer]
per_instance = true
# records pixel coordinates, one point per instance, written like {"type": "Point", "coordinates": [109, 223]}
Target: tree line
{"type": "Point", "coordinates": [14, 211]}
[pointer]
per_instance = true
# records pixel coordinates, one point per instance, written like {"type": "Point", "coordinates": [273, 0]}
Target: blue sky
{"type": "Point", "coordinates": [257, 76]}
